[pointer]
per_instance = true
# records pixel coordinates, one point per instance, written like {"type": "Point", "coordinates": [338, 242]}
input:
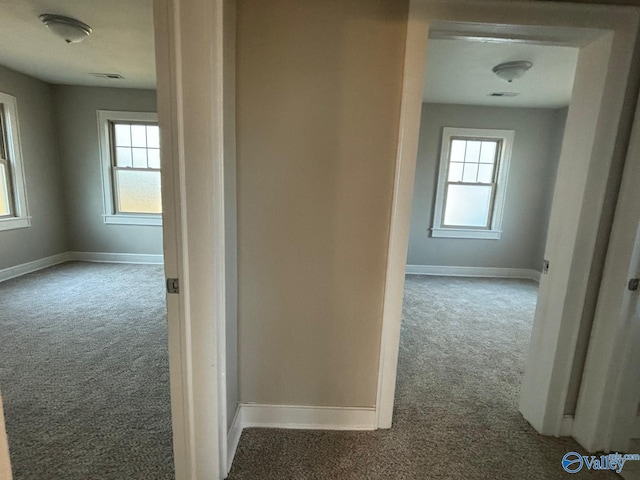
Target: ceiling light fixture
{"type": "Point", "coordinates": [503, 94]}
{"type": "Point", "coordinates": [69, 29]}
{"type": "Point", "coordinates": [509, 71]}
{"type": "Point", "coordinates": [111, 76]}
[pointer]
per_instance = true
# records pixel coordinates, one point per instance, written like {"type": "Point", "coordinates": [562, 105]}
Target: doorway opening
{"type": "Point", "coordinates": [488, 155]}
{"type": "Point", "coordinates": [596, 125]}
{"type": "Point", "coordinates": [85, 371]}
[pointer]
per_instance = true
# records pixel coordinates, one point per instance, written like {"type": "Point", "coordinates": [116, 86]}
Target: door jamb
{"type": "Point", "coordinates": [623, 21]}
{"type": "Point", "coordinates": [609, 389]}
{"type": "Point", "coordinates": [189, 38]}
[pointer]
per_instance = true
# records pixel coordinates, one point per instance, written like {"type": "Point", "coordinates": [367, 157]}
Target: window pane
{"type": "Point", "coordinates": [138, 192]}
{"type": "Point", "coordinates": [473, 152]}
{"type": "Point", "coordinates": [467, 205]}
{"type": "Point", "coordinates": [488, 152]}
{"type": "Point", "coordinates": [457, 150]}
{"type": "Point", "coordinates": [5, 207]}
{"type": "Point", "coordinates": [123, 157]}
{"type": "Point", "coordinates": [455, 172]}
{"type": "Point", "coordinates": [139, 157]}
{"type": "Point", "coordinates": [485, 173]}
{"type": "Point", "coordinates": [123, 135]}
{"type": "Point", "coordinates": [153, 136]}
{"type": "Point", "coordinates": [154, 157]}
{"type": "Point", "coordinates": [470, 172]}
{"type": "Point", "coordinates": [138, 136]}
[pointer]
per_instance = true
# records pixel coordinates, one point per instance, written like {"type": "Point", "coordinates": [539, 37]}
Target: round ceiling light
{"type": "Point", "coordinates": [509, 71]}
{"type": "Point", "coordinates": [67, 28]}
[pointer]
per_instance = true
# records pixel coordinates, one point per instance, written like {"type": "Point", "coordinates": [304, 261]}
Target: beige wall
{"type": "Point", "coordinates": [318, 101]}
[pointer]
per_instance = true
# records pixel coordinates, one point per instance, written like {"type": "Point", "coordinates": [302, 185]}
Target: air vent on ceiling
{"type": "Point", "coordinates": [112, 76]}
{"type": "Point", "coordinates": [503, 94]}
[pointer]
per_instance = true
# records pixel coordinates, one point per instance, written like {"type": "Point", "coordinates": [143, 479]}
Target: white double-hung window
{"type": "Point", "coordinates": [472, 183]}
{"type": "Point", "coordinates": [130, 157]}
{"type": "Point", "coordinates": [13, 195]}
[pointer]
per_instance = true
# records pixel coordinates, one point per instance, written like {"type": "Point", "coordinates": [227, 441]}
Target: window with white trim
{"type": "Point", "coordinates": [13, 194]}
{"type": "Point", "coordinates": [472, 183]}
{"type": "Point", "coordinates": [130, 157]}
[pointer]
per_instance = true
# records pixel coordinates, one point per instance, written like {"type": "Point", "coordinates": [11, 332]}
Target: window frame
{"type": "Point", "coordinates": [19, 217]}
{"type": "Point", "coordinates": [111, 214]}
{"type": "Point", "coordinates": [493, 230]}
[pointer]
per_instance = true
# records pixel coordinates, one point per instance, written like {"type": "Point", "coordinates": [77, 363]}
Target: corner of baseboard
{"type": "Point", "coordinates": [33, 266]}
{"type": "Point", "coordinates": [252, 415]}
{"type": "Point", "coordinates": [233, 437]}
{"type": "Point", "coordinates": [46, 262]}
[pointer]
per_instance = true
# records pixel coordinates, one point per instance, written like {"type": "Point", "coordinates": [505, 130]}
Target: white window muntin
{"type": "Point", "coordinates": [492, 229]}
{"type": "Point", "coordinates": [11, 167]}
{"type": "Point", "coordinates": [112, 213]}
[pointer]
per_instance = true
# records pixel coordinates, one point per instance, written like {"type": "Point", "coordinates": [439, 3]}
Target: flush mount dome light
{"type": "Point", "coordinates": [67, 28]}
{"type": "Point", "coordinates": [509, 71]}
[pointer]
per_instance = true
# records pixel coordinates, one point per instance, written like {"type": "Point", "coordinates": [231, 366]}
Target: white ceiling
{"type": "Point", "coordinates": [121, 42]}
{"type": "Point", "coordinates": [459, 71]}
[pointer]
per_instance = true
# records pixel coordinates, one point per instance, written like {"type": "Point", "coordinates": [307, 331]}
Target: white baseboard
{"type": "Point", "coordinates": [307, 418]}
{"type": "Point", "coordinates": [566, 427]}
{"type": "Point", "coordinates": [254, 415]}
{"type": "Point", "coordinates": [493, 272]}
{"type": "Point", "coordinates": [141, 258]}
{"type": "Point", "coordinates": [233, 437]}
{"type": "Point", "coordinates": [29, 267]}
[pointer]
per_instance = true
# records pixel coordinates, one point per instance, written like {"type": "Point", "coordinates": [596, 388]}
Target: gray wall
{"type": "Point", "coordinates": [534, 161]}
{"type": "Point", "coordinates": [78, 139]}
{"type": "Point", "coordinates": [43, 172]}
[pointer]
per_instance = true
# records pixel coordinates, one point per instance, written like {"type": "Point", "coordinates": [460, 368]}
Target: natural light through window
{"type": "Point", "coordinates": [472, 183]}
{"type": "Point", "coordinates": [130, 152]}
{"type": "Point", "coordinates": [13, 200]}
{"type": "Point", "coordinates": [137, 168]}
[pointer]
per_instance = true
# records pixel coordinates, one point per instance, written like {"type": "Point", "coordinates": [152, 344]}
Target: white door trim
{"type": "Point", "coordinates": [547, 381]}
{"type": "Point", "coordinates": [189, 39]}
{"type": "Point", "coordinates": [410, 110]}
{"type": "Point", "coordinates": [610, 389]}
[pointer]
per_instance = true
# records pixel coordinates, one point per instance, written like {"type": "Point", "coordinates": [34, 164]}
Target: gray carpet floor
{"type": "Point", "coordinates": [84, 376]}
{"type": "Point", "coordinates": [84, 373]}
{"type": "Point", "coordinates": [462, 353]}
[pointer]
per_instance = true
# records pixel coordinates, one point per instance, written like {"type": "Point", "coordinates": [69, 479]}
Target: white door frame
{"type": "Point", "coordinates": [590, 151]}
{"type": "Point", "coordinates": [189, 62]}
{"type": "Point", "coordinates": [606, 415]}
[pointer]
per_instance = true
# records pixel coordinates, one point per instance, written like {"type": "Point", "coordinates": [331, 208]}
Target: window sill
{"type": "Point", "coordinates": [153, 220]}
{"type": "Point", "coordinates": [466, 233]}
{"type": "Point", "coordinates": [15, 222]}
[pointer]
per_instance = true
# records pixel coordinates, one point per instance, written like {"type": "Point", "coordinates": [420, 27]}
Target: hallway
{"type": "Point", "coordinates": [462, 354]}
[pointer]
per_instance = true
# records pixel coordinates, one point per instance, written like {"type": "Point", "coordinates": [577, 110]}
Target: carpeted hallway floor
{"type": "Point", "coordinates": [84, 373]}
{"type": "Point", "coordinates": [461, 360]}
